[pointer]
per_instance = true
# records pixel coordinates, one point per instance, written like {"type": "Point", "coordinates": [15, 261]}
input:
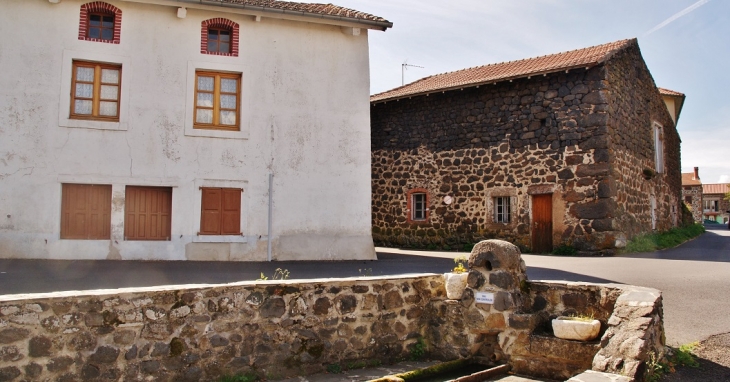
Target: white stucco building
{"type": "Point", "coordinates": [150, 129]}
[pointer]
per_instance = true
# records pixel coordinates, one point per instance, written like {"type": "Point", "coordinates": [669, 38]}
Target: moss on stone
{"type": "Point", "coordinates": [433, 370]}
{"type": "Point", "coordinates": [177, 346]}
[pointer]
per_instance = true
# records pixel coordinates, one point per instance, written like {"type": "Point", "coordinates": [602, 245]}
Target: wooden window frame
{"type": "Point", "coordinates": [216, 109]}
{"type": "Point", "coordinates": [219, 30]}
{"type": "Point", "coordinates": [96, 96]}
{"type": "Point", "coordinates": [101, 27]}
{"type": "Point", "coordinates": [502, 217]}
{"type": "Point", "coordinates": [132, 215]}
{"type": "Point", "coordinates": [203, 216]}
{"type": "Point", "coordinates": [411, 208]}
{"type": "Point", "coordinates": [220, 24]}
{"type": "Point", "coordinates": [99, 8]}
{"type": "Point", "coordinates": [67, 212]}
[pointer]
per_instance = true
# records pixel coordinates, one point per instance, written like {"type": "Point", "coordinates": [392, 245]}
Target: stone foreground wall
{"type": "Point", "coordinates": [199, 334]}
{"type": "Point", "coordinates": [278, 329]}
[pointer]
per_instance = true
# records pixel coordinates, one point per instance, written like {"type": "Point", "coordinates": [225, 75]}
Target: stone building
{"type": "Point", "coordinates": [185, 130]}
{"type": "Point", "coordinates": [692, 193]}
{"type": "Point", "coordinates": [577, 148]}
{"type": "Point", "coordinates": [715, 207]}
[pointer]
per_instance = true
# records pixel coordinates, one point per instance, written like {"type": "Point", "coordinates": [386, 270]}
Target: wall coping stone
{"type": "Point", "coordinates": [596, 376]}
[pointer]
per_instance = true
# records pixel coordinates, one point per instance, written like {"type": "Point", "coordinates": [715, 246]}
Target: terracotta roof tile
{"type": "Point", "coordinates": [721, 188]}
{"type": "Point", "coordinates": [669, 92]}
{"type": "Point", "coordinates": [688, 179]}
{"type": "Point", "coordinates": [307, 9]}
{"type": "Point", "coordinates": [507, 70]}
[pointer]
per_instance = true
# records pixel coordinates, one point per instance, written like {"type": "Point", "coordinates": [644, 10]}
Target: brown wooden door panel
{"type": "Point", "coordinates": [220, 211]}
{"type": "Point", "coordinates": [148, 213]}
{"type": "Point", "coordinates": [542, 223]}
{"type": "Point", "coordinates": [86, 211]}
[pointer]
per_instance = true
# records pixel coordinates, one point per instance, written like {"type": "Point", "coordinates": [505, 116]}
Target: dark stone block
{"type": "Point", "coordinates": [104, 354]}
{"type": "Point", "coordinates": [595, 97]}
{"type": "Point", "coordinates": [592, 170]}
{"type": "Point", "coordinates": [502, 279]}
{"type": "Point", "coordinates": [39, 347]}
{"type": "Point", "coordinates": [59, 364]}
{"type": "Point", "coordinates": [33, 370]}
{"type": "Point", "coordinates": [521, 321]}
{"type": "Point", "coordinates": [606, 188]}
{"type": "Point", "coordinates": [11, 335]}
{"type": "Point", "coordinates": [217, 340]}
{"type": "Point", "coordinates": [502, 301]}
{"type": "Point", "coordinates": [90, 372]}
{"type": "Point", "coordinates": [565, 174]}
{"type": "Point", "coordinates": [539, 303]}
{"type": "Point", "coordinates": [150, 367]}
{"type": "Point", "coordinates": [575, 300]}
{"type": "Point", "coordinates": [160, 349]}
{"type": "Point", "coordinates": [392, 300]}
{"type": "Point", "coordinates": [347, 304]}
{"type": "Point", "coordinates": [598, 209]}
{"type": "Point", "coordinates": [360, 288]}
{"type": "Point", "coordinates": [9, 373]}
{"type": "Point", "coordinates": [475, 279]}
{"type": "Point", "coordinates": [131, 353]}
{"type": "Point", "coordinates": [273, 308]}
{"type": "Point", "coordinates": [322, 306]}
{"type": "Point", "coordinates": [602, 225]}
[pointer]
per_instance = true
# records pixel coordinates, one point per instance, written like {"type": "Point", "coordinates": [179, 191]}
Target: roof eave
{"type": "Point", "coordinates": [490, 82]}
{"type": "Point", "coordinates": [213, 5]}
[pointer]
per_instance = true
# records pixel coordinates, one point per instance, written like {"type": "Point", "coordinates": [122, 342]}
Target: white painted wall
{"type": "Point", "coordinates": [305, 117]}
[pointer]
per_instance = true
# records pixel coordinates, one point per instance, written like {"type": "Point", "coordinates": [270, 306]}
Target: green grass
{"type": "Point", "coordinates": [668, 239]}
{"type": "Point", "coordinates": [239, 378]}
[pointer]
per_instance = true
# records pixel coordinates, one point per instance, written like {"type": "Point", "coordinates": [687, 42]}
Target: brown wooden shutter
{"type": "Point", "coordinates": [86, 211]}
{"type": "Point", "coordinates": [210, 216]}
{"type": "Point", "coordinates": [231, 211]}
{"type": "Point", "coordinates": [148, 213]}
{"type": "Point", "coordinates": [220, 211]}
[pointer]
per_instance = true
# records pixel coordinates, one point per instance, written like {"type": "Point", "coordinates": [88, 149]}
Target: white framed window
{"type": "Point", "coordinates": [659, 147]}
{"type": "Point", "coordinates": [502, 209]}
{"type": "Point", "coordinates": [418, 203]}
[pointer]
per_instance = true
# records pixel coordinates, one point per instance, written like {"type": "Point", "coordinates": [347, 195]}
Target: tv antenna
{"type": "Point", "coordinates": [403, 67]}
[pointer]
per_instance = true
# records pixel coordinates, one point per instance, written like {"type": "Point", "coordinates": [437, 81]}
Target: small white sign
{"type": "Point", "coordinates": [484, 298]}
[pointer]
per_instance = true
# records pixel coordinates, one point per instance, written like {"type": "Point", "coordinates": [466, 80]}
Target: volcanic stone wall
{"type": "Point", "coordinates": [564, 134]}
{"type": "Point", "coordinates": [633, 107]}
{"type": "Point", "coordinates": [695, 205]}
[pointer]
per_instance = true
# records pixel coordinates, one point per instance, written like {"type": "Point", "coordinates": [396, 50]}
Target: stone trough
{"type": "Point", "coordinates": [278, 329]}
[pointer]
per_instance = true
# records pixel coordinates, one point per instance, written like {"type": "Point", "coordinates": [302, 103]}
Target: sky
{"type": "Point", "coordinates": [685, 43]}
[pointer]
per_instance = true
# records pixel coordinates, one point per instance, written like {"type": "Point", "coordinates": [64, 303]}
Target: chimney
{"type": "Point", "coordinates": [697, 174]}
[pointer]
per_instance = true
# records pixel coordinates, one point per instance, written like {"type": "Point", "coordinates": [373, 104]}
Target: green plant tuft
{"type": "Point", "coordinates": [661, 240]}
{"type": "Point", "coordinates": [418, 350]}
{"type": "Point", "coordinates": [565, 250]}
{"type": "Point", "coordinates": [248, 377]}
{"type": "Point", "coordinates": [684, 357]}
{"type": "Point", "coordinates": [334, 368]}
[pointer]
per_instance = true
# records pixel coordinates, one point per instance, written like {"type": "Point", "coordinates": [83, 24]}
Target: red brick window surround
{"type": "Point", "coordinates": [418, 201]}
{"type": "Point", "coordinates": [100, 22]}
{"type": "Point", "coordinates": [219, 37]}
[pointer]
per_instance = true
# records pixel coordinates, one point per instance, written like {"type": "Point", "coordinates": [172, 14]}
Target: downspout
{"type": "Point", "coordinates": [268, 235]}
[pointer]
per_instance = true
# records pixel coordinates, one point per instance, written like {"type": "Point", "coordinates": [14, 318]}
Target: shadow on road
{"type": "Point", "coordinates": [713, 245]}
{"type": "Point", "coordinates": [537, 273]}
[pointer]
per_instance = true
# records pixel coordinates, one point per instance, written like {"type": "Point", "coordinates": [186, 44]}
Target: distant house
{"type": "Point", "coordinates": [715, 207]}
{"type": "Point", "coordinates": [577, 148]}
{"type": "Point", "coordinates": [692, 193]}
{"type": "Point", "coordinates": [184, 130]}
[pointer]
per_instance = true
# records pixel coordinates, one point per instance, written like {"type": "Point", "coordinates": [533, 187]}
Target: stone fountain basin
{"type": "Point", "coordinates": [570, 328]}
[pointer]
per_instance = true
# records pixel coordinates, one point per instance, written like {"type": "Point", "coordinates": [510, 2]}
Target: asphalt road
{"type": "Point", "coordinates": [694, 277]}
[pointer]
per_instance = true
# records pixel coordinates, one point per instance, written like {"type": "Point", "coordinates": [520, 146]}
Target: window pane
{"type": "Point", "coordinates": [94, 33]}
{"type": "Point", "coordinates": [212, 46]}
{"type": "Point", "coordinates": [109, 92]}
{"type": "Point", "coordinates": [84, 90]}
{"type": "Point", "coordinates": [224, 48]}
{"type": "Point", "coordinates": [205, 83]}
{"type": "Point", "coordinates": [228, 101]}
{"type": "Point", "coordinates": [94, 20]}
{"type": "Point", "coordinates": [204, 116]}
{"type": "Point", "coordinates": [110, 76]}
{"type": "Point", "coordinates": [82, 107]}
{"type": "Point", "coordinates": [108, 22]}
{"type": "Point", "coordinates": [205, 99]}
{"type": "Point", "coordinates": [84, 74]}
{"type": "Point", "coordinates": [107, 34]}
{"type": "Point", "coordinates": [108, 109]}
{"type": "Point", "coordinates": [212, 34]}
{"type": "Point", "coordinates": [228, 85]}
{"type": "Point", "coordinates": [225, 36]}
{"type": "Point", "coordinates": [228, 118]}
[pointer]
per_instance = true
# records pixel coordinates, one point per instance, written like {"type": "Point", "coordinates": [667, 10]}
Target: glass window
{"type": "Point", "coordinates": [418, 206]}
{"type": "Point", "coordinates": [101, 26]}
{"type": "Point", "coordinates": [219, 40]}
{"type": "Point", "coordinates": [217, 99]}
{"type": "Point", "coordinates": [95, 91]}
{"type": "Point", "coordinates": [502, 209]}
